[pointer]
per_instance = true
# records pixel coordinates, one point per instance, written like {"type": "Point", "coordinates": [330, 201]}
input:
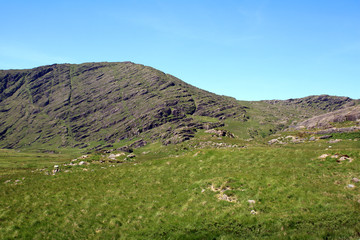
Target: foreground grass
{"type": "Point", "coordinates": [174, 193]}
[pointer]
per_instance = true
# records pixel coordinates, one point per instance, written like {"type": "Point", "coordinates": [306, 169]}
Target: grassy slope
{"type": "Point", "coordinates": [165, 193]}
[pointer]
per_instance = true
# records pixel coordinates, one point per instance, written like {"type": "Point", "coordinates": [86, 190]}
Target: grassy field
{"type": "Point", "coordinates": [187, 191]}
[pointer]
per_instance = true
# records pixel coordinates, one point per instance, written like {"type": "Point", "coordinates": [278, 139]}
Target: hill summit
{"type": "Point", "coordinates": [93, 105]}
{"type": "Point", "coordinates": [74, 105]}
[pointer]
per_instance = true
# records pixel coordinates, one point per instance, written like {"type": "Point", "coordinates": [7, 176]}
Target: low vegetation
{"type": "Point", "coordinates": [124, 151]}
{"type": "Point", "coordinates": [236, 189]}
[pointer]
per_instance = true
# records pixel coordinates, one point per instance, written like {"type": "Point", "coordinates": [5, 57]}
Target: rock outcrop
{"type": "Point", "coordinates": [325, 120]}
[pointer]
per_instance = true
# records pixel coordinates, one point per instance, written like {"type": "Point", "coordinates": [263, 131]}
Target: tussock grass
{"type": "Point", "coordinates": [166, 193]}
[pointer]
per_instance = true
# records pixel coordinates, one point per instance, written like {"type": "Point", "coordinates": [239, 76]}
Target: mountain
{"type": "Point", "coordinates": [96, 104]}
{"type": "Point", "coordinates": [65, 105]}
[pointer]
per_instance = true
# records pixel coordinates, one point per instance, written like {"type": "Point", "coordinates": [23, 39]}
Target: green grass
{"type": "Point", "coordinates": [168, 193]}
{"type": "Point", "coordinates": [350, 135]}
{"type": "Point", "coordinates": [15, 161]}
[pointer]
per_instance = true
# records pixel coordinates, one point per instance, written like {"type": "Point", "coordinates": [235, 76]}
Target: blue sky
{"type": "Point", "coordinates": [247, 49]}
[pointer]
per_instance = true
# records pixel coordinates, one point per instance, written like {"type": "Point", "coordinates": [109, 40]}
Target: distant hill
{"type": "Point", "coordinates": [94, 104]}
{"type": "Point", "coordinates": [349, 114]}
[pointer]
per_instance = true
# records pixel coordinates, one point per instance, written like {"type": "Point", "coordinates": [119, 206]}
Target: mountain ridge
{"type": "Point", "coordinates": [79, 105]}
{"type": "Point", "coordinates": [82, 101]}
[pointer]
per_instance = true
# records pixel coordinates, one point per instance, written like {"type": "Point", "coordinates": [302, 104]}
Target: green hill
{"type": "Point", "coordinates": [75, 105]}
{"type": "Point", "coordinates": [96, 104]}
{"type": "Point", "coordinates": [202, 166]}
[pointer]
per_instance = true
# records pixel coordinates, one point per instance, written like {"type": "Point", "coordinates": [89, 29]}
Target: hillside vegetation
{"type": "Point", "coordinates": [93, 105]}
{"type": "Point", "coordinates": [71, 104]}
{"type": "Point", "coordinates": [124, 151]}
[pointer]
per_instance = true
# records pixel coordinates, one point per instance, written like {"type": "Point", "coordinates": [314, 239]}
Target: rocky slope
{"type": "Point", "coordinates": [351, 114]}
{"type": "Point", "coordinates": [317, 103]}
{"type": "Point", "coordinates": [96, 104]}
{"type": "Point", "coordinates": [74, 105]}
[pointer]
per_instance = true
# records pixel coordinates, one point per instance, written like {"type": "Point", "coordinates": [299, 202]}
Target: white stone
{"type": "Point", "coordinates": [324, 156]}
{"type": "Point", "coordinates": [355, 180]}
{"type": "Point", "coordinates": [253, 212]}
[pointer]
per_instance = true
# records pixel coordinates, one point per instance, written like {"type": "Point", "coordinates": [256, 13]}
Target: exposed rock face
{"type": "Point", "coordinates": [322, 102]}
{"type": "Point", "coordinates": [324, 120]}
{"type": "Point", "coordinates": [139, 143]}
{"type": "Point", "coordinates": [67, 105]}
{"type": "Point", "coordinates": [72, 105]}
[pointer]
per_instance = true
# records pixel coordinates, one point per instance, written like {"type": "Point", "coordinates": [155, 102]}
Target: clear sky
{"type": "Point", "coordinates": [247, 49]}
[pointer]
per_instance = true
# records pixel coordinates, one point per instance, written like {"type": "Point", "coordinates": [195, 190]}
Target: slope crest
{"type": "Point", "coordinates": [64, 104]}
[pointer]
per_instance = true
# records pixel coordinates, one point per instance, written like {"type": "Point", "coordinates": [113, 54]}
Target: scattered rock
{"type": "Point", "coordinates": [325, 137]}
{"type": "Point", "coordinates": [312, 139]}
{"type": "Point", "coordinates": [355, 180]}
{"type": "Point", "coordinates": [83, 163]}
{"type": "Point", "coordinates": [272, 141]}
{"type": "Point", "coordinates": [202, 145]}
{"type": "Point", "coordinates": [251, 202]}
{"type": "Point", "coordinates": [290, 137]}
{"type": "Point", "coordinates": [224, 197]}
{"type": "Point", "coordinates": [297, 140]}
{"type": "Point", "coordinates": [220, 133]}
{"type": "Point", "coordinates": [334, 141]}
{"type": "Point", "coordinates": [323, 156]}
{"type": "Point", "coordinates": [350, 185]}
{"type": "Point", "coordinates": [344, 158]}
{"type": "Point", "coordinates": [131, 155]}
{"type": "Point", "coordinates": [56, 169]}
{"type": "Point", "coordinates": [253, 212]}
